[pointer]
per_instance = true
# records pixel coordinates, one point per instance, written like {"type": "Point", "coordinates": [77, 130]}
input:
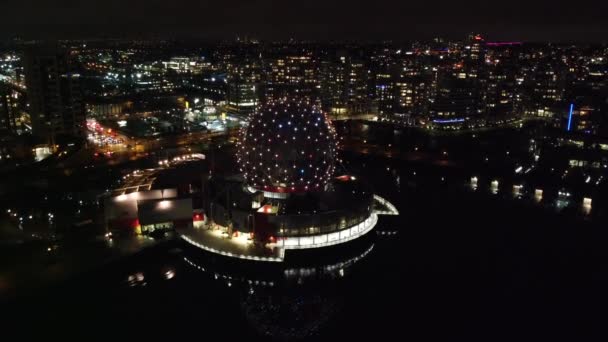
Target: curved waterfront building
{"type": "Point", "coordinates": [287, 196]}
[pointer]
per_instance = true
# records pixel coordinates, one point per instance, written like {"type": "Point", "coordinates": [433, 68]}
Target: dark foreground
{"type": "Point", "coordinates": [460, 266]}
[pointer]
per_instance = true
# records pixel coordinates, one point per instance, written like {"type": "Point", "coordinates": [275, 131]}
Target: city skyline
{"type": "Point", "coordinates": [307, 171]}
{"type": "Point", "coordinates": [314, 20]}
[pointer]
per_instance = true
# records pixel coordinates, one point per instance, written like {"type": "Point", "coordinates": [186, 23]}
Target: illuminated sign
{"type": "Point", "coordinates": [570, 117]}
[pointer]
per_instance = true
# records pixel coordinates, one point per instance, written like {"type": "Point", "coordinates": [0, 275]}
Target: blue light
{"type": "Point", "coordinates": [570, 116]}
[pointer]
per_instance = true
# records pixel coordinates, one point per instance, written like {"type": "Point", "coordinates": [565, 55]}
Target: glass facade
{"type": "Point", "coordinates": [150, 228]}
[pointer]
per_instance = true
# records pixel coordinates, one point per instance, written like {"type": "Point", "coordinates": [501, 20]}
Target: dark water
{"type": "Point", "coordinates": [458, 266]}
{"type": "Point", "coordinates": [453, 265]}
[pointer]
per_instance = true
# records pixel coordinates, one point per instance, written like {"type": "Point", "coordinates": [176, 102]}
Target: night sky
{"type": "Point", "coordinates": [527, 20]}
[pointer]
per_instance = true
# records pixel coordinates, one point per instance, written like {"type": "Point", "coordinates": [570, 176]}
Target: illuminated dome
{"type": "Point", "coordinates": [289, 146]}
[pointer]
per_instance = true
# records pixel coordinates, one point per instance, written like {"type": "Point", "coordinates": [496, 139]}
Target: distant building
{"type": "Point", "coordinates": [108, 108]}
{"type": "Point", "coordinates": [386, 93]}
{"type": "Point", "coordinates": [56, 106]}
{"type": "Point", "coordinates": [579, 119]}
{"type": "Point", "coordinates": [8, 109]}
{"type": "Point", "coordinates": [188, 65]}
{"type": "Point", "coordinates": [498, 94]}
{"type": "Point", "coordinates": [289, 73]}
{"type": "Point", "coordinates": [545, 87]}
{"type": "Point", "coordinates": [242, 96]}
{"type": "Point", "coordinates": [455, 105]}
{"type": "Point", "coordinates": [474, 55]}
{"type": "Point", "coordinates": [243, 81]}
{"type": "Point", "coordinates": [344, 84]}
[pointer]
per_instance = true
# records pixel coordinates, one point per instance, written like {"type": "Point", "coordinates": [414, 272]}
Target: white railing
{"type": "Point", "coordinates": [311, 241]}
{"type": "Point", "coordinates": [335, 238]}
{"type": "Point", "coordinates": [389, 205]}
{"type": "Point", "coordinates": [233, 255]}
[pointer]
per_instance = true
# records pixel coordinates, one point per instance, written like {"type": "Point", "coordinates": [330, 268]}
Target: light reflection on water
{"type": "Point", "coordinates": [283, 301]}
{"type": "Point", "coordinates": [460, 262]}
{"type": "Point", "coordinates": [463, 265]}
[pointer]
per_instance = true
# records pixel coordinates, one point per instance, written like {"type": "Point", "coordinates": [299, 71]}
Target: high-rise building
{"type": "Point", "coordinates": [383, 89]}
{"type": "Point", "coordinates": [56, 106]}
{"type": "Point", "coordinates": [474, 55]}
{"type": "Point", "coordinates": [8, 109]}
{"type": "Point", "coordinates": [544, 84]}
{"type": "Point", "coordinates": [498, 94]}
{"type": "Point", "coordinates": [412, 99]}
{"type": "Point", "coordinates": [243, 80]}
{"type": "Point", "coordinates": [357, 86]}
{"type": "Point", "coordinates": [455, 104]}
{"type": "Point", "coordinates": [344, 84]}
{"type": "Point", "coordinates": [415, 84]}
{"type": "Point", "coordinates": [289, 73]}
{"type": "Point", "coordinates": [242, 96]}
{"type": "Point", "coordinates": [333, 85]}
{"type": "Point", "coordinates": [385, 93]}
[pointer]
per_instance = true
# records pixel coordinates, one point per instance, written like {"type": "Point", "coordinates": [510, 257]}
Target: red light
{"type": "Point", "coordinates": [344, 178]}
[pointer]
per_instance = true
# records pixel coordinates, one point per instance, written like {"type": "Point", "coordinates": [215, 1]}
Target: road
{"type": "Point", "coordinates": [162, 147]}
